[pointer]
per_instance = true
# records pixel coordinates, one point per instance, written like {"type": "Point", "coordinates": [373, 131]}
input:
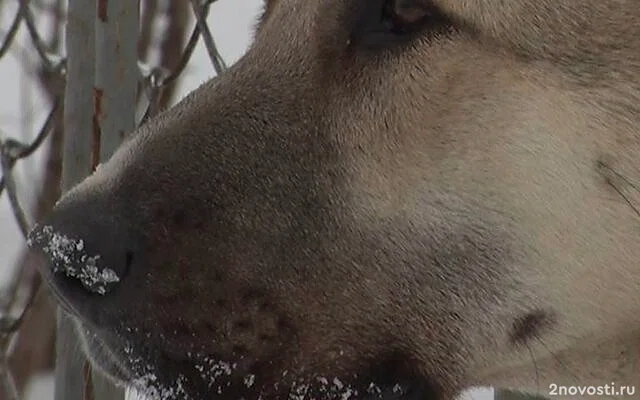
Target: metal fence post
{"type": "Point", "coordinates": [115, 98]}
{"type": "Point", "coordinates": [71, 364]}
{"type": "Point", "coordinates": [100, 102]}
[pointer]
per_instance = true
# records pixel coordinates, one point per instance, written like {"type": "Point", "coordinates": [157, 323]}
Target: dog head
{"type": "Point", "coordinates": [381, 199]}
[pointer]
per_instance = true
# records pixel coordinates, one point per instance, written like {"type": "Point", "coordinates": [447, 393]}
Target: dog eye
{"type": "Point", "coordinates": [387, 22]}
{"type": "Point", "coordinates": [402, 17]}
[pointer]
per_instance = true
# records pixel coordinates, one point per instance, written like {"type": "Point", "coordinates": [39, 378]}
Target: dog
{"type": "Point", "coordinates": [394, 199]}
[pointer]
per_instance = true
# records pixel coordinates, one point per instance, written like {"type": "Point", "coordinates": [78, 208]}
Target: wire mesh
{"type": "Point", "coordinates": [17, 299]}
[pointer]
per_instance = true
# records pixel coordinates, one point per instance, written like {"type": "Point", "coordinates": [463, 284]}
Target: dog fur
{"type": "Point", "coordinates": [427, 212]}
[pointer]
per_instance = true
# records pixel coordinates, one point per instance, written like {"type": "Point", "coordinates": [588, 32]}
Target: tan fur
{"type": "Point", "coordinates": [454, 211]}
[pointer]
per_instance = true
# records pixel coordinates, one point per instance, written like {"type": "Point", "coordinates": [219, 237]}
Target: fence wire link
{"type": "Point", "coordinates": [17, 296]}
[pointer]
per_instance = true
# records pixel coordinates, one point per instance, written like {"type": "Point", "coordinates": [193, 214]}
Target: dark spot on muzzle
{"type": "Point", "coordinates": [530, 326]}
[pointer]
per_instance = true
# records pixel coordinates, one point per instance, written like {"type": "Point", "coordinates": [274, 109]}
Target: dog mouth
{"type": "Point", "coordinates": [153, 374]}
{"type": "Point", "coordinates": [142, 365]}
{"type": "Point", "coordinates": [214, 384]}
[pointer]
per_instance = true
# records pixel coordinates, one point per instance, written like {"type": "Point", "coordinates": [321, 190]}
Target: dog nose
{"type": "Point", "coordinates": [85, 244]}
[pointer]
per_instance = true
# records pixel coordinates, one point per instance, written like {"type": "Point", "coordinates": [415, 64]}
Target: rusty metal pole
{"type": "Point", "coordinates": [100, 100]}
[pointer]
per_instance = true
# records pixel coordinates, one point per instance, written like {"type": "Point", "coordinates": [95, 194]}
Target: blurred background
{"type": "Point", "coordinates": [32, 50]}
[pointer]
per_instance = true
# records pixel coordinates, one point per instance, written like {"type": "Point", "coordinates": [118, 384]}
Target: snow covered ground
{"type": "Point", "coordinates": [22, 110]}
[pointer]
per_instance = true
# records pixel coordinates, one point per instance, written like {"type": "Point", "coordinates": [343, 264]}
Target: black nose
{"type": "Point", "coordinates": [87, 244]}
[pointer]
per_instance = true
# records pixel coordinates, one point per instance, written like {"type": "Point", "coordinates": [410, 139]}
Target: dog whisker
{"type": "Point", "coordinates": [564, 366]}
{"type": "Point", "coordinates": [621, 185]}
{"type": "Point", "coordinates": [558, 360]}
{"type": "Point", "coordinates": [535, 366]}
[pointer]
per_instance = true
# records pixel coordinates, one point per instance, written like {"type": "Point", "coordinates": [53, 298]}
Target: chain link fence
{"type": "Point", "coordinates": [70, 75]}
